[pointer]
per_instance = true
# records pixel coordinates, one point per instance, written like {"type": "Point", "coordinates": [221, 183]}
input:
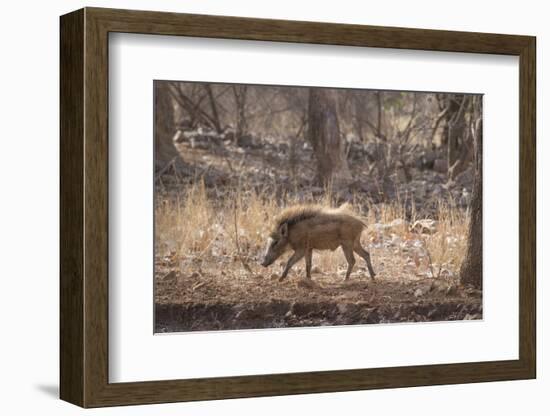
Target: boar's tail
{"type": "Point", "coordinates": [347, 208]}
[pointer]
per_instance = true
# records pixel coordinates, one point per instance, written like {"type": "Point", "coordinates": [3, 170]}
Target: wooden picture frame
{"type": "Point", "coordinates": [84, 207]}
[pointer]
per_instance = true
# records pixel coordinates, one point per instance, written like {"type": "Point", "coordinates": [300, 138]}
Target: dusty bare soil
{"type": "Point", "coordinates": [215, 300]}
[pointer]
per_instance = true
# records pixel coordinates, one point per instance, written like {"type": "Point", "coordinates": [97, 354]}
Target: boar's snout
{"type": "Point", "coordinates": [275, 248]}
{"type": "Point", "coordinates": [268, 259]}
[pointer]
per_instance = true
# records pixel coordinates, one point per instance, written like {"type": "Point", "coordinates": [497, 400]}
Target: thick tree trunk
{"type": "Point", "coordinates": [455, 133]}
{"type": "Point", "coordinates": [165, 151]}
{"type": "Point", "coordinates": [324, 135]}
{"type": "Point", "coordinates": [471, 269]}
{"type": "Point", "coordinates": [214, 108]}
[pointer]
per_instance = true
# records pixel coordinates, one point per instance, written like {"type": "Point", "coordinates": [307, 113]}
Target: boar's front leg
{"type": "Point", "coordinates": [298, 254]}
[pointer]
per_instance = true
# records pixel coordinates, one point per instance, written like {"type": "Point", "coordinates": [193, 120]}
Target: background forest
{"type": "Point", "coordinates": [229, 157]}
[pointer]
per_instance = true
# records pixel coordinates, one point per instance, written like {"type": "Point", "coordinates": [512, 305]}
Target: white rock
{"type": "Point", "coordinates": [426, 226]}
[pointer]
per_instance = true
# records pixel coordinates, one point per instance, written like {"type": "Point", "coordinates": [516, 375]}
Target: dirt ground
{"type": "Point", "coordinates": [209, 299]}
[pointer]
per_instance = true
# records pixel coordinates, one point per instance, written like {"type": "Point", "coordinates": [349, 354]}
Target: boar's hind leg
{"type": "Point", "coordinates": [348, 252]}
{"type": "Point", "coordinates": [309, 252]}
{"type": "Point", "coordinates": [365, 254]}
{"type": "Point", "coordinates": [298, 254]}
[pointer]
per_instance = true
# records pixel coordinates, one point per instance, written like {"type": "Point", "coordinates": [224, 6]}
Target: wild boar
{"type": "Point", "coordinates": [305, 228]}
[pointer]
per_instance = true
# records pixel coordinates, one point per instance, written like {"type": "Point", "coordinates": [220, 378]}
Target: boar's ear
{"type": "Point", "coordinates": [284, 229]}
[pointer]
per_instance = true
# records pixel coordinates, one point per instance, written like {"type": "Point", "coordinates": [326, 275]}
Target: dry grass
{"type": "Point", "coordinates": [215, 229]}
{"type": "Point", "coordinates": [447, 247]}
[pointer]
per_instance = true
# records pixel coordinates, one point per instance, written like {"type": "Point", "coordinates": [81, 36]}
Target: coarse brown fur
{"type": "Point", "coordinates": [304, 228]}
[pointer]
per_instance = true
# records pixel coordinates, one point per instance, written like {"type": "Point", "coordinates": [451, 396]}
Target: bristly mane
{"type": "Point", "coordinates": [295, 214]}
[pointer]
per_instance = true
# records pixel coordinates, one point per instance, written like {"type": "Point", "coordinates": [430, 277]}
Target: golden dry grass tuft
{"type": "Point", "coordinates": [200, 225]}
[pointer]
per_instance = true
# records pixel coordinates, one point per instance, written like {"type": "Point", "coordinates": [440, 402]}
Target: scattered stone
{"type": "Point", "coordinates": [395, 240]}
{"type": "Point", "coordinates": [316, 270]}
{"type": "Point", "coordinates": [389, 227]}
{"type": "Point", "coordinates": [396, 223]}
{"type": "Point", "coordinates": [418, 293]}
{"type": "Point", "coordinates": [426, 226]}
{"type": "Point", "coordinates": [446, 273]}
{"type": "Point", "coordinates": [168, 260]}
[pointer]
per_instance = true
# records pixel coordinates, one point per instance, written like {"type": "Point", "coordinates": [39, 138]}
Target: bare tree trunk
{"type": "Point", "coordinates": [239, 93]}
{"type": "Point", "coordinates": [214, 108]}
{"type": "Point", "coordinates": [165, 151]}
{"type": "Point", "coordinates": [324, 135]}
{"type": "Point", "coordinates": [358, 116]}
{"type": "Point", "coordinates": [471, 269]}
{"type": "Point", "coordinates": [379, 112]}
{"type": "Point", "coordinates": [193, 105]}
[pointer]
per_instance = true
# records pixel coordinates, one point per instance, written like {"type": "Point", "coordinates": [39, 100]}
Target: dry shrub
{"type": "Point", "coordinates": [186, 224]}
{"type": "Point", "coordinates": [254, 213]}
{"type": "Point", "coordinates": [446, 248]}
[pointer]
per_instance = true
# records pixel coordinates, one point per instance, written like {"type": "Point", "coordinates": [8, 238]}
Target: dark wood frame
{"type": "Point", "coordinates": [84, 208]}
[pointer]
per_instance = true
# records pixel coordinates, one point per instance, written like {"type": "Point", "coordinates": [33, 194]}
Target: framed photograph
{"type": "Point", "coordinates": [255, 207]}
